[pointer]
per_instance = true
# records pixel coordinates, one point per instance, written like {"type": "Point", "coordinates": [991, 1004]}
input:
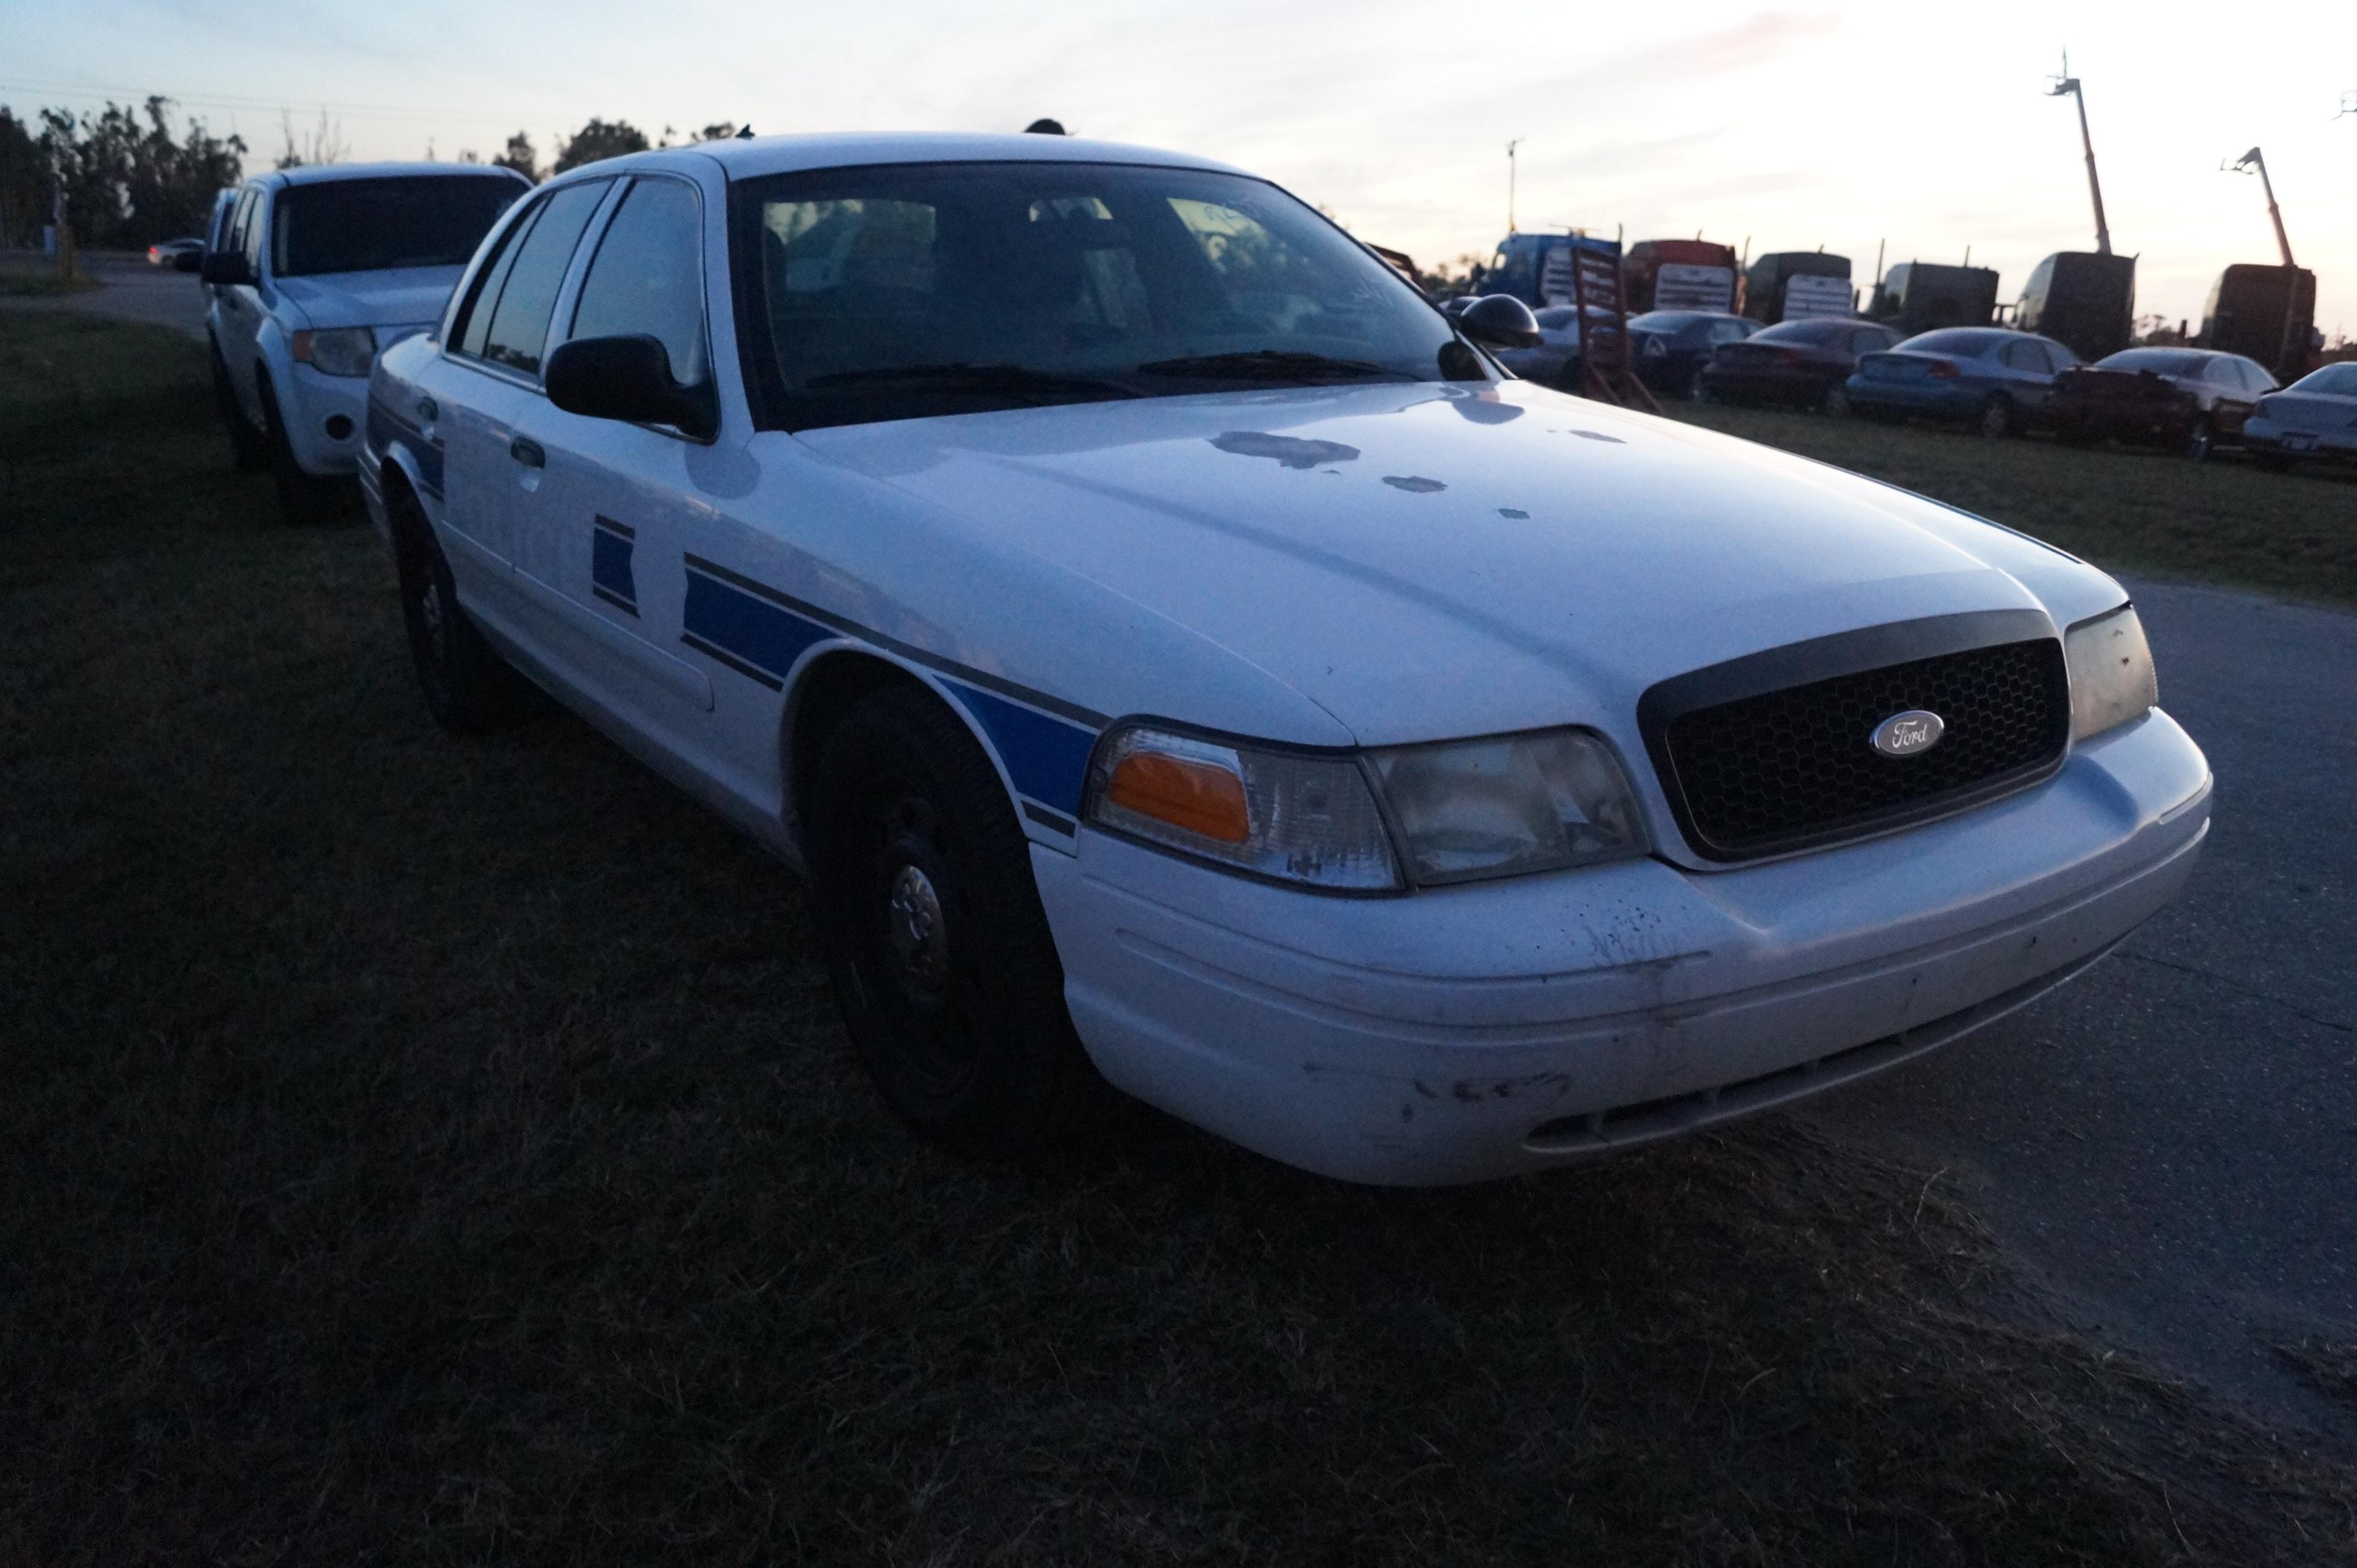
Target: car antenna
{"type": "Point", "coordinates": [1046, 127]}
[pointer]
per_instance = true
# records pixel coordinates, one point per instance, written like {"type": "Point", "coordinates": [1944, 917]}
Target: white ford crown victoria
{"type": "Point", "coordinates": [1179, 659]}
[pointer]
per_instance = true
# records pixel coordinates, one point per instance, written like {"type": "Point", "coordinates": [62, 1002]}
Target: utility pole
{"type": "Point", "coordinates": [2066, 83]}
{"type": "Point", "coordinates": [1517, 141]}
{"type": "Point", "coordinates": [2275, 214]}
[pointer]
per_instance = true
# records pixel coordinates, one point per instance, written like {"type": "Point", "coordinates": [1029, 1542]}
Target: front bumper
{"type": "Point", "coordinates": [1483, 1030]}
{"type": "Point", "coordinates": [318, 407]}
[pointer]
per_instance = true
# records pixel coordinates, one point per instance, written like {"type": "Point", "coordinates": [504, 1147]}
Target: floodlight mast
{"type": "Point", "coordinates": [2275, 214]}
{"type": "Point", "coordinates": [2066, 83]}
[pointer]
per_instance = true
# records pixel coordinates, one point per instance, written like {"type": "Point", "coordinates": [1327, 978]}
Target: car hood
{"type": "Point", "coordinates": [401, 296]}
{"type": "Point", "coordinates": [1434, 560]}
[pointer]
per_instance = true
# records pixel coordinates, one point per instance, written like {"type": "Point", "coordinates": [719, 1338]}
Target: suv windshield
{"type": "Point", "coordinates": [371, 225]}
{"type": "Point", "coordinates": [905, 291]}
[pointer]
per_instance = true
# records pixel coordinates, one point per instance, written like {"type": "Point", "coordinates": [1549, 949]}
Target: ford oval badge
{"type": "Point", "coordinates": [1905, 735]}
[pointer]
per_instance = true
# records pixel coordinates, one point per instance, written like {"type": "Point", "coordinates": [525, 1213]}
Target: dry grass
{"type": "Point", "coordinates": [428, 1152]}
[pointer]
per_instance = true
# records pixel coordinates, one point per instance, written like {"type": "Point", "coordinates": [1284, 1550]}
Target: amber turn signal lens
{"type": "Point", "coordinates": [1200, 797]}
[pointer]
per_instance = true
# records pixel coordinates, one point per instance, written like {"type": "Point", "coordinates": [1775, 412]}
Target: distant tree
{"type": "Point", "coordinates": [128, 181]}
{"type": "Point", "coordinates": [719, 131]}
{"type": "Point", "coordinates": [598, 140]}
{"type": "Point", "coordinates": [24, 184]}
{"type": "Point", "coordinates": [322, 144]}
{"type": "Point", "coordinates": [522, 157]}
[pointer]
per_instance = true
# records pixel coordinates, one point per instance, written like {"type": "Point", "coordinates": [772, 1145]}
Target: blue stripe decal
{"type": "Point", "coordinates": [386, 427]}
{"type": "Point", "coordinates": [609, 565]}
{"type": "Point", "coordinates": [749, 630]}
{"type": "Point", "coordinates": [1047, 758]}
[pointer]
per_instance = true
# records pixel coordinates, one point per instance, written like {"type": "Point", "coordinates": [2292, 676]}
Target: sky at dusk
{"type": "Point", "coordinates": [1922, 128]}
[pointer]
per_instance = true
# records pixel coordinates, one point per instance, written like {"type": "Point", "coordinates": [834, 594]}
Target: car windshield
{"type": "Point", "coordinates": [2159, 362]}
{"type": "Point", "coordinates": [904, 291]}
{"type": "Point", "coordinates": [2333, 381]}
{"type": "Point", "coordinates": [1969, 342]}
{"type": "Point", "coordinates": [373, 225]}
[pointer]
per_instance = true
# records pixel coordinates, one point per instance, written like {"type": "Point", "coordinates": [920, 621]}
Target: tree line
{"type": "Point", "coordinates": [129, 178]}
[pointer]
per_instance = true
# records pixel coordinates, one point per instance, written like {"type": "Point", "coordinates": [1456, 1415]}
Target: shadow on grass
{"type": "Point", "coordinates": [412, 1148]}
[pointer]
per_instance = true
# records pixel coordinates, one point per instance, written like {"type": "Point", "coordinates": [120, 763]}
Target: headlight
{"type": "Point", "coordinates": [1461, 811]}
{"type": "Point", "coordinates": [1296, 818]}
{"type": "Point", "coordinates": [1509, 804]}
{"type": "Point", "coordinates": [2111, 673]}
{"type": "Point", "coordinates": [339, 352]}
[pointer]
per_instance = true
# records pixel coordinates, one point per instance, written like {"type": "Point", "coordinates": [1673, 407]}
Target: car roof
{"type": "Point", "coordinates": [749, 157]}
{"type": "Point", "coordinates": [322, 173]}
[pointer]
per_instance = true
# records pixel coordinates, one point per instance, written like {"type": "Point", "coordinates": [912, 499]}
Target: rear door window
{"type": "Point", "coordinates": [648, 276]}
{"type": "Point", "coordinates": [2024, 355]}
{"type": "Point", "coordinates": [518, 330]}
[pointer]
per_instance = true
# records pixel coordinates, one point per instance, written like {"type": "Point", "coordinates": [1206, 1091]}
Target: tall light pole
{"type": "Point", "coordinates": [2066, 83]}
{"type": "Point", "coordinates": [1517, 141]}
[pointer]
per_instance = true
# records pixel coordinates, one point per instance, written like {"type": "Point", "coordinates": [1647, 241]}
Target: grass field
{"type": "Point", "coordinates": [2124, 509]}
{"type": "Point", "coordinates": [424, 1151]}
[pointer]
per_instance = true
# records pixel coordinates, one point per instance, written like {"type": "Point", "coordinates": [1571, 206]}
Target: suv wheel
{"type": "Point", "coordinates": [303, 499]}
{"type": "Point", "coordinates": [936, 944]}
{"type": "Point", "coordinates": [249, 449]}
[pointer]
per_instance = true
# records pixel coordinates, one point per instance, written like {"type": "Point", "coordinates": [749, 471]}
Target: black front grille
{"type": "Point", "coordinates": [1785, 768]}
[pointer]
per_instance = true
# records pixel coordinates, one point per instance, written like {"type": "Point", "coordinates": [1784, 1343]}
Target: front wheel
{"type": "Point", "coordinates": [469, 689]}
{"type": "Point", "coordinates": [249, 449]}
{"type": "Point", "coordinates": [2202, 441]}
{"type": "Point", "coordinates": [304, 499]}
{"type": "Point", "coordinates": [1996, 420]}
{"type": "Point", "coordinates": [936, 944]}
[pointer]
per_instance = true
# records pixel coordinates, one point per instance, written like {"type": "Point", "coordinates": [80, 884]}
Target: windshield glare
{"type": "Point", "coordinates": [373, 225]}
{"type": "Point", "coordinates": [899, 292]}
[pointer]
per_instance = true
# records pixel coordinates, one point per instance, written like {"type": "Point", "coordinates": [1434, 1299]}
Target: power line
{"type": "Point", "coordinates": [268, 105]}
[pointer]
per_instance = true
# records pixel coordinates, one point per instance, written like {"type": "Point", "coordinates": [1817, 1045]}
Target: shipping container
{"type": "Point", "coordinates": [2267, 314]}
{"type": "Point", "coordinates": [2083, 299]}
{"type": "Point", "coordinates": [1916, 297]}
{"type": "Point", "coordinates": [1794, 285]}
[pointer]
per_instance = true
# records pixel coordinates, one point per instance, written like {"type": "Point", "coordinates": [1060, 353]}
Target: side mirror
{"type": "Point", "coordinates": [1500, 321]}
{"type": "Point", "coordinates": [628, 378]}
{"type": "Point", "coordinates": [225, 268]}
{"type": "Point", "coordinates": [188, 261]}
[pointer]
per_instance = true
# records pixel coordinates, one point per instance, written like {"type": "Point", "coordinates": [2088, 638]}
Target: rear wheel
{"type": "Point", "coordinates": [304, 499]}
{"type": "Point", "coordinates": [469, 689]}
{"type": "Point", "coordinates": [1996, 419]}
{"type": "Point", "coordinates": [1836, 402]}
{"type": "Point", "coordinates": [936, 943]}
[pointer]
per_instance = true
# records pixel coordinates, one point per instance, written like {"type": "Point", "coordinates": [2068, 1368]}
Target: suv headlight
{"type": "Point", "coordinates": [339, 351]}
{"type": "Point", "coordinates": [1458, 811]}
{"type": "Point", "coordinates": [2112, 680]}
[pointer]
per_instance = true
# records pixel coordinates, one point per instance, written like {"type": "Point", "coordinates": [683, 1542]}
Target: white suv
{"type": "Point", "coordinates": [314, 271]}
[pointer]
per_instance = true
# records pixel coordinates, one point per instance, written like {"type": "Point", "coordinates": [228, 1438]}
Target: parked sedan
{"type": "Point", "coordinates": [1995, 380]}
{"type": "Point", "coordinates": [2314, 417]}
{"type": "Point", "coordinates": [1802, 362]}
{"type": "Point", "coordinates": [2188, 399]}
{"type": "Point", "coordinates": [1178, 660]}
{"type": "Point", "coordinates": [1554, 361]}
{"type": "Point", "coordinates": [172, 253]}
{"type": "Point", "coordinates": [1671, 347]}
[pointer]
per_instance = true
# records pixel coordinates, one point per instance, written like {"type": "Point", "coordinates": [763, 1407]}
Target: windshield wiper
{"type": "Point", "coordinates": [961, 376]}
{"type": "Point", "coordinates": [1275, 365]}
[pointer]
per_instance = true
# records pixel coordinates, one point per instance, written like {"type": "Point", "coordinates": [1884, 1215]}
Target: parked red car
{"type": "Point", "coordinates": [1798, 363]}
{"type": "Point", "coordinates": [2192, 399]}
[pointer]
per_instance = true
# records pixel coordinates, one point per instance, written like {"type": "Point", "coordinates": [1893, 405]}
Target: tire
{"type": "Point", "coordinates": [2202, 440]}
{"type": "Point", "coordinates": [249, 449]}
{"type": "Point", "coordinates": [1835, 402]}
{"type": "Point", "coordinates": [935, 943]}
{"type": "Point", "coordinates": [1996, 420]}
{"type": "Point", "coordinates": [468, 688]}
{"type": "Point", "coordinates": [304, 500]}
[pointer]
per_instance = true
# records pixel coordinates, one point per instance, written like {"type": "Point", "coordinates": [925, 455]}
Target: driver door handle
{"type": "Point", "coordinates": [525, 450]}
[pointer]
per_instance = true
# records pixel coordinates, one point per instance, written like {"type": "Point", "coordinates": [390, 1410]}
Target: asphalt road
{"type": "Point", "coordinates": [134, 291]}
{"type": "Point", "coordinates": [2168, 1145]}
